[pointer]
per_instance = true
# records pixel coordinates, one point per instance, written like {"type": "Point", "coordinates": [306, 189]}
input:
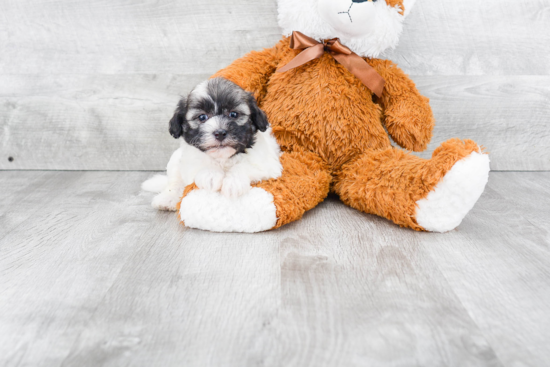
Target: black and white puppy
{"type": "Point", "coordinates": [227, 145]}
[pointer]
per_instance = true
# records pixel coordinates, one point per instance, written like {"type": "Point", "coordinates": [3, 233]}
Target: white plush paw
{"type": "Point", "coordinates": [213, 211]}
{"type": "Point", "coordinates": [210, 179]}
{"type": "Point", "coordinates": [167, 200]}
{"type": "Point", "coordinates": [235, 185]}
{"type": "Point", "coordinates": [455, 195]}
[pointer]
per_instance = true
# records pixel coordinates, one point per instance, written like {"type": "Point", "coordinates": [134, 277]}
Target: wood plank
{"type": "Point", "coordinates": [21, 191]}
{"type": "Point", "coordinates": [14, 180]}
{"type": "Point", "coordinates": [100, 278]}
{"type": "Point", "coordinates": [533, 203]}
{"type": "Point", "coordinates": [359, 291]}
{"type": "Point", "coordinates": [508, 115]}
{"type": "Point", "coordinates": [498, 262]}
{"type": "Point", "coordinates": [468, 37]}
{"type": "Point", "coordinates": [186, 297]}
{"type": "Point", "coordinates": [123, 117]}
{"type": "Point", "coordinates": [120, 36]}
{"type": "Point", "coordinates": [57, 266]}
{"type": "Point", "coordinates": [471, 37]}
{"type": "Point", "coordinates": [119, 122]}
{"type": "Point", "coordinates": [320, 297]}
{"type": "Point", "coordinates": [89, 122]}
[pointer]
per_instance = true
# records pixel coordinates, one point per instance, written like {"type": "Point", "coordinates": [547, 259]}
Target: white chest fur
{"type": "Point", "coordinates": [261, 162]}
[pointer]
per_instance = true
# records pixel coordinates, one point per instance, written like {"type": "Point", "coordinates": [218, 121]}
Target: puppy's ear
{"type": "Point", "coordinates": [258, 117]}
{"type": "Point", "coordinates": [177, 121]}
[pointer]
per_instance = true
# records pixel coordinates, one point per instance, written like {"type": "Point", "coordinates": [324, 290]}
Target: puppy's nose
{"type": "Point", "coordinates": [220, 134]}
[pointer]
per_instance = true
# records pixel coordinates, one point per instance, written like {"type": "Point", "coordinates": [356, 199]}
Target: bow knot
{"type": "Point", "coordinates": [354, 63]}
{"type": "Point", "coordinates": [334, 46]}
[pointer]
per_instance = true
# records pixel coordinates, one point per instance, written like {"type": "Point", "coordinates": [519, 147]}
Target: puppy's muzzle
{"type": "Point", "coordinates": [220, 134]}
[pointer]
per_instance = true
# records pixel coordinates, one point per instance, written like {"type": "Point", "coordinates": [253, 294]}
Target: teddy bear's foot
{"type": "Point", "coordinates": [213, 211]}
{"type": "Point", "coordinates": [422, 194]}
{"type": "Point", "coordinates": [455, 195]}
{"type": "Point", "coordinates": [268, 204]}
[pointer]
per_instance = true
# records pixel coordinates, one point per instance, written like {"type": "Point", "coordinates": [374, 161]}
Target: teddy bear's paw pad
{"type": "Point", "coordinates": [455, 195]}
{"type": "Point", "coordinates": [213, 211]}
{"type": "Point", "coordinates": [167, 200]}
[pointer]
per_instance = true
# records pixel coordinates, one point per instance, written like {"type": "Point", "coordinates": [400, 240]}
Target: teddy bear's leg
{"type": "Point", "coordinates": [269, 204]}
{"type": "Point", "coordinates": [433, 195]}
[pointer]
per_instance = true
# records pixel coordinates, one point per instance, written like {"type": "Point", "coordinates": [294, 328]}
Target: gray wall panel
{"type": "Point", "coordinates": [91, 84]}
{"type": "Point", "coordinates": [120, 122]}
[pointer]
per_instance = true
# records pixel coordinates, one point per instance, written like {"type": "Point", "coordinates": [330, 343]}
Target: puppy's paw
{"type": "Point", "coordinates": [210, 179]}
{"type": "Point", "coordinates": [235, 185]}
{"type": "Point", "coordinates": [167, 200]}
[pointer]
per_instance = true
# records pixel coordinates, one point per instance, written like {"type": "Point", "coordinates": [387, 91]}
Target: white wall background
{"type": "Point", "coordinates": [91, 84]}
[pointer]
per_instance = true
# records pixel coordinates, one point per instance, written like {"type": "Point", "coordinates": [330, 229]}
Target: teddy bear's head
{"type": "Point", "coordinates": [367, 27]}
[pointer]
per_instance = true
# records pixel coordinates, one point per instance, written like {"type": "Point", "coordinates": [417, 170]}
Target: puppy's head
{"type": "Point", "coordinates": [219, 118]}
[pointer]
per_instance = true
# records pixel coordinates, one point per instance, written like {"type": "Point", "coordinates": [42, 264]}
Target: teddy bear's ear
{"type": "Point", "coordinates": [408, 5]}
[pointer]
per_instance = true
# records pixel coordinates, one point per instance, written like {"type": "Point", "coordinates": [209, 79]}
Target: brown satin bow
{"type": "Point", "coordinates": [354, 63]}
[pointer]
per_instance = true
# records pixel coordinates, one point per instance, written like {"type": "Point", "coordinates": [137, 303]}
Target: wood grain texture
{"type": "Point", "coordinates": [90, 85]}
{"type": "Point", "coordinates": [501, 269]}
{"type": "Point", "coordinates": [65, 254]}
{"type": "Point", "coordinates": [92, 276]}
{"type": "Point", "coordinates": [471, 37]}
{"type": "Point", "coordinates": [116, 122]}
{"type": "Point", "coordinates": [127, 37]}
{"type": "Point", "coordinates": [120, 122]}
{"type": "Point", "coordinates": [508, 115]}
{"type": "Point", "coordinates": [22, 190]}
{"type": "Point", "coordinates": [467, 37]}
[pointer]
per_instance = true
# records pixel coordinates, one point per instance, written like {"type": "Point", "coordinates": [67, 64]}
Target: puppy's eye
{"type": "Point", "coordinates": [233, 115]}
{"type": "Point", "coordinates": [203, 118]}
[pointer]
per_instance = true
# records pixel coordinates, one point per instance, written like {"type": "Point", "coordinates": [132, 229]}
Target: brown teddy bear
{"type": "Point", "coordinates": [331, 104]}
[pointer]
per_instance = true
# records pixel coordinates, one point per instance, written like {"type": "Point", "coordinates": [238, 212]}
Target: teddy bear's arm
{"type": "Point", "coordinates": [407, 114]}
{"type": "Point", "coordinates": [253, 71]}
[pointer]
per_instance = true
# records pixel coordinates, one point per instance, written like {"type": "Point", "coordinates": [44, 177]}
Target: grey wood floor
{"type": "Point", "coordinates": [91, 275]}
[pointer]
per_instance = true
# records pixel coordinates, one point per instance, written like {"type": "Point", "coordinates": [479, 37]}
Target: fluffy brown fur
{"type": "Point", "coordinates": [389, 182]}
{"type": "Point", "coordinates": [333, 136]}
{"type": "Point", "coordinates": [304, 184]}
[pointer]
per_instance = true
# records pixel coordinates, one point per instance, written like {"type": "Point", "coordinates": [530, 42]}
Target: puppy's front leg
{"type": "Point", "coordinates": [235, 184]}
{"type": "Point", "coordinates": [169, 198]}
{"type": "Point", "coordinates": [210, 179]}
{"type": "Point", "coordinates": [238, 179]}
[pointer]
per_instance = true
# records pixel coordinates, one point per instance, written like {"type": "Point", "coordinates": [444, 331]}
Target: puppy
{"type": "Point", "coordinates": [227, 145]}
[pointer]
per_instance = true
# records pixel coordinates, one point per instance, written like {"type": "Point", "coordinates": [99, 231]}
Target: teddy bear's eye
{"type": "Point", "coordinates": [203, 118]}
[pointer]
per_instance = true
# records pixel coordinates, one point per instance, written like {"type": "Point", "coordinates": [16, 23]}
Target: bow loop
{"type": "Point", "coordinates": [300, 41]}
{"type": "Point", "coordinates": [313, 49]}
